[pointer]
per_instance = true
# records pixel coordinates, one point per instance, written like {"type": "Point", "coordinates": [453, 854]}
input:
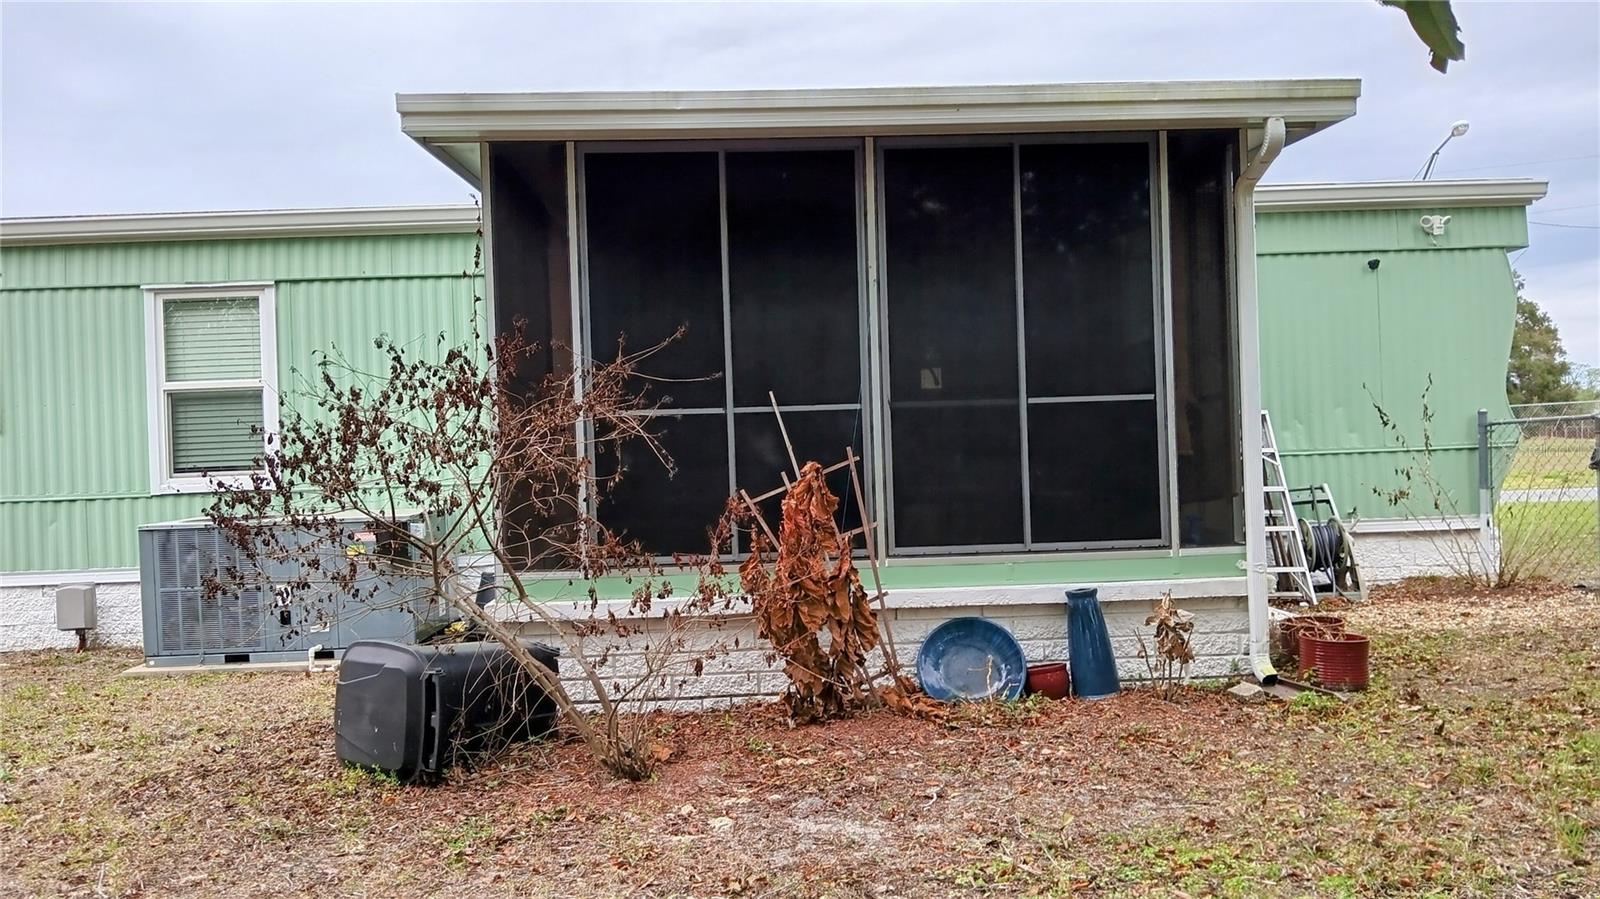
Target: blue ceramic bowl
{"type": "Point", "coordinates": [971, 658]}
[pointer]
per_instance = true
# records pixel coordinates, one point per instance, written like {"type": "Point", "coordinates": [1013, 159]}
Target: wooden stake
{"type": "Point", "coordinates": [785, 432]}
{"type": "Point", "coordinates": [760, 519]}
{"type": "Point", "coordinates": [872, 559]}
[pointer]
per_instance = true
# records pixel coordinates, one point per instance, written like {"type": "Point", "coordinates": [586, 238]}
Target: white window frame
{"type": "Point", "coordinates": [159, 389]}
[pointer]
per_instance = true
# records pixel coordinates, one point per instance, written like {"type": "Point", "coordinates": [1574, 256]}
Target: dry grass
{"type": "Point", "coordinates": [1471, 768]}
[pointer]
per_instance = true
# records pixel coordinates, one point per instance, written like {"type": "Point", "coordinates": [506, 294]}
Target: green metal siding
{"type": "Point", "coordinates": [1337, 337]}
{"type": "Point", "coordinates": [74, 466]}
{"type": "Point", "coordinates": [74, 472]}
{"type": "Point", "coordinates": [1365, 230]}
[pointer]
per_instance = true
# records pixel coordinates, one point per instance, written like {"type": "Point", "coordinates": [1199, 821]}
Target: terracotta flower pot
{"type": "Point", "coordinates": [1291, 630]}
{"type": "Point", "coordinates": [1051, 679]}
{"type": "Point", "coordinates": [1339, 660]}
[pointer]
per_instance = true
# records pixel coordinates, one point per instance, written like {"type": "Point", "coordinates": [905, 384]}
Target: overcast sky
{"type": "Point", "coordinates": [141, 108]}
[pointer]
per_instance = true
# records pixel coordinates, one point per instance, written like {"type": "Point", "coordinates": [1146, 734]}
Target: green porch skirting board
{"type": "Point", "coordinates": [922, 574]}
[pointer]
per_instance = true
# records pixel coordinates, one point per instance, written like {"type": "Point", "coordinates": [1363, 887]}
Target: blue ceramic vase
{"type": "Point", "coordinates": [1094, 668]}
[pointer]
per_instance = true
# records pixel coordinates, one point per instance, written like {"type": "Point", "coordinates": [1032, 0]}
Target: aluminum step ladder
{"type": "Point", "coordinates": [1286, 550]}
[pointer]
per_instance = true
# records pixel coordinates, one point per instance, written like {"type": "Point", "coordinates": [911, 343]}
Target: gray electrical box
{"type": "Point", "coordinates": [75, 607]}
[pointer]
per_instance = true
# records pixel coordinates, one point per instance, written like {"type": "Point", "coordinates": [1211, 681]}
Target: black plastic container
{"type": "Point", "coordinates": [418, 710]}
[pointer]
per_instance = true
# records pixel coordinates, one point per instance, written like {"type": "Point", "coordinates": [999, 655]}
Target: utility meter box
{"type": "Point", "coordinates": [75, 607]}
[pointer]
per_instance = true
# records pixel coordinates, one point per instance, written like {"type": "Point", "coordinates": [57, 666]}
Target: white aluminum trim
{"type": "Point", "coordinates": [1413, 525]}
{"type": "Point", "coordinates": [1018, 287]}
{"type": "Point", "coordinates": [162, 479]}
{"type": "Point", "coordinates": [1165, 328]}
{"type": "Point", "coordinates": [1309, 103]}
{"type": "Point", "coordinates": [875, 357]}
{"type": "Point", "coordinates": [77, 576]}
{"type": "Point", "coordinates": [1324, 196]}
{"type": "Point", "coordinates": [226, 225]}
{"type": "Point", "coordinates": [1054, 594]}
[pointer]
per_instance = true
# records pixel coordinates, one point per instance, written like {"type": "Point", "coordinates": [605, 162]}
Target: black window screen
{"type": "Point", "coordinates": [960, 224]}
{"type": "Point", "coordinates": [950, 269]}
{"type": "Point", "coordinates": [822, 436]}
{"type": "Point", "coordinates": [653, 226]}
{"type": "Point", "coordinates": [763, 246]}
{"type": "Point", "coordinates": [1205, 379]}
{"type": "Point", "coordinates": [792, 266]}
{"type": "Point", "coordinates": [1088, 280]}
{"type": "Point", "coordinates": [667, 513]}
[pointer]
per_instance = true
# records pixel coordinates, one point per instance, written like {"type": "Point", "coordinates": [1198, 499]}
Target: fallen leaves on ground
{"type": "Point", "coordinates": [1471, 767]}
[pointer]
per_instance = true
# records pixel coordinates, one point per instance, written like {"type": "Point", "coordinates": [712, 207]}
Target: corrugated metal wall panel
{"type": "Point", "coordinates": [74, 469]}
{"type": "Point", "coordinates": [281, 259]}
{"type": "Point", "coordinates": [1338, 337]}
{"type": "Point", "coordinates": [78, 534]}
{"type": "Point", "coordinates": [1354, 476]}
{"type": "Point", "coordinates": [1335, 231]}
{"type": "Point", "coordinates": [72, 401]}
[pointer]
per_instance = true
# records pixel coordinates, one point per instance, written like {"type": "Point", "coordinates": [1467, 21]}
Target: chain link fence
{"type": "Point", "coordinates": [1538, 477]}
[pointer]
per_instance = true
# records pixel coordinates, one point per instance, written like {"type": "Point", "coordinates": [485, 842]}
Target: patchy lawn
{"type": "Point", "coordinates": [1556, 540]}
{"type": "Point", "coordinates": [1472, 767]}
{"type": "Point", "coordinates": [1550, 462]}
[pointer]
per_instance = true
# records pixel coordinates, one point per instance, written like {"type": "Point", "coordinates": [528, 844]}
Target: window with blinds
{"type": "Point", "coordinates": [212, 383]}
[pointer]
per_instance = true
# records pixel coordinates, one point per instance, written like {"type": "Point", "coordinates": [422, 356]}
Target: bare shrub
{"type": "Point", "coordinates": [1422, 498]}
{"type": "Point", "coordinates": [492, 456]}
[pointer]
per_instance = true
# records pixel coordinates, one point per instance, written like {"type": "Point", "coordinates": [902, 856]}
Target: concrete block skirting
{"type": "Point", "coordinates": [28, 614]}
{"type": "Point", "coordinates": [746, 668]}
{"type": "Point", "coordinates": [1390, 550]}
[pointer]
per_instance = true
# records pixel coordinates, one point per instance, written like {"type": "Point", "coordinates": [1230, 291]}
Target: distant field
{"type": "Point", "coordinates": [1550, 462]}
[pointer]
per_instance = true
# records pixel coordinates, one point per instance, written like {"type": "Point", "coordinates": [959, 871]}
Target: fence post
{"type": "Point", "coordinates": [1594, 463]}
{"type": "Point", "coordinates": [1486, 548]}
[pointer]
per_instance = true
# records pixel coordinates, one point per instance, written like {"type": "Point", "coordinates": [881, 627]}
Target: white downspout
{"type": "Point", "coordinates": [1273, 139]}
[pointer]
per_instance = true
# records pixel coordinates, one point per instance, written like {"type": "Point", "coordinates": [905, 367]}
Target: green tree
{"type": "Point", "coordinates": [1539, 370]}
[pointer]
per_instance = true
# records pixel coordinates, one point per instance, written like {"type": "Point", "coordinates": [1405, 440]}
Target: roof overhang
{"type": "Point", "coordinates": [450, 126]}
{"type": "Point", "coordinates": [1321, 197]}
{"type": "Point", "coordinates": [233, 225]}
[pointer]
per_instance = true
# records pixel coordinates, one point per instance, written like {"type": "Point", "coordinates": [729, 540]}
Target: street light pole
{"type": "Point", "coordinates": [1456, 130]}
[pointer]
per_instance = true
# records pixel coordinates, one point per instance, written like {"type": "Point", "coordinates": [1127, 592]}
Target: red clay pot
{"type": "Point", "coordinates": [1051, 679]}
{"type": "Point", "coordinates": [1291, 630]}
{"type": "Point", "coordinates": [1339, 660]}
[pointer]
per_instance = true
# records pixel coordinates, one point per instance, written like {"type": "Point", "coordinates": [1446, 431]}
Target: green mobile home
{"type": "Point", "coordinates": [132, 340]}
{"type": "Point", "coordinates": [1372, 295]}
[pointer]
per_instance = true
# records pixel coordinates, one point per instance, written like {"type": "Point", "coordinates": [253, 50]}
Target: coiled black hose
{"type": "Point", "coordinates": [1324, 542]}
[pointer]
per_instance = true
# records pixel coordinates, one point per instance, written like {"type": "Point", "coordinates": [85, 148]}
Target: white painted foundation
{"type": "Point", "coordinates": [1390, 550]}
{"type": "Point", "coordinates": [28, 613]}
{"type": "Point", "coordinates": [748, 670]}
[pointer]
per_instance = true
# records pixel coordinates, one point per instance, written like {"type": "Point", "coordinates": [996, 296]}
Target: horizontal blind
{"type": "Point", "coordinates": [212, 338]}
{"type": "Point", "coordinates": [211, 430]}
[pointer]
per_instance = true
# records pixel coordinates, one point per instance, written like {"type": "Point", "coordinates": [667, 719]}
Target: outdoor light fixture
{"type": "Point", "coordinates": [1456, 130]}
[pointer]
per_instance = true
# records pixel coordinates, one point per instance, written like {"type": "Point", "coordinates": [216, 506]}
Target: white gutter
{"type": "Point", "coordinates": [1273, 139]}
{"type": "Point", "coordinates": [1327, 196]}
{"type": "Point", "coordinates": [69, 229]}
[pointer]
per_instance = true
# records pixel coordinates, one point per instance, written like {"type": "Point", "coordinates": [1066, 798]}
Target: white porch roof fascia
{"type": "Point", "coordinates": [1326, 196]}
{"type": "Point", "coordinates": [447, 124]}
